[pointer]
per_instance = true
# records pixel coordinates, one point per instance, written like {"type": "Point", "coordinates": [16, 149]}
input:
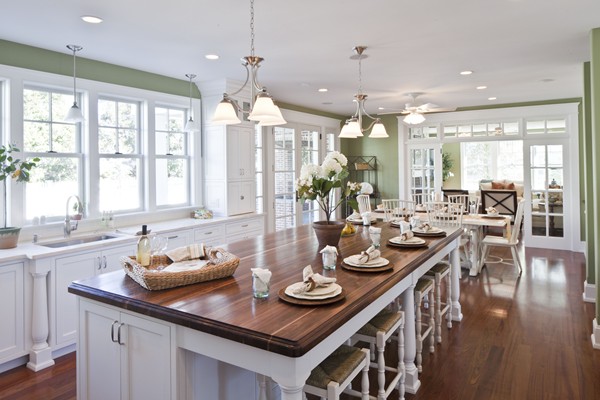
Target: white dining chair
{"type": "Point", "coordinates": [395, 209]}
{"type": "Point", "coordinates": [500, 241]}
{"type": "Point", "coordinates": [364, 203]}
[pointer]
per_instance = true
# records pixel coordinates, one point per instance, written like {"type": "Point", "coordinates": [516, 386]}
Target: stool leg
{"type": "Point", "coordinates": [438, 308]}
{"type": "Point", "coordinates": [401, 368]}
{"type": "Point", "coordinates": [449, 301]}
{"type": "Point", "coordinates": [432, 325]}
{"type": "Point", "coordinates": [365, 379]}
{"type": "Point", "coordinates": [418, 328]}
{"type": "Point", "coordinates": [380, 365]}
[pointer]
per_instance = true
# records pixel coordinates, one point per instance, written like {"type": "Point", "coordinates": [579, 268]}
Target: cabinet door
{"type": "Point", "coordinates": [98, 356]}
{"type": "Point", "coordinates": [242, 197]}
{"type": "Point", "coordinates": [111, 258]}
{"type": "Point", "coordinates": [11, 312]}
{"type": "Point", "coordinates": [240, 152]}
{"type": "Point", "coordinates": [178, 239]}
{"type": "Point", "coordinates": [145, 359]}
{"type": "Point", "coordinates": [69, 269]}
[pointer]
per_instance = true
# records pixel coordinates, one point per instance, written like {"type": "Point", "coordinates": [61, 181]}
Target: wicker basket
{"type": "Point", "coordinates": [220, 264]}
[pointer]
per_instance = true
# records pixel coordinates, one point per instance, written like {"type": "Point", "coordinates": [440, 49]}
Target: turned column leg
{"type": "Point", "coordinates": [412, 382]}
{"type": "Point", "coordinates": [455, 282]}
{"type": "Point", "coordinates": [40, 355]}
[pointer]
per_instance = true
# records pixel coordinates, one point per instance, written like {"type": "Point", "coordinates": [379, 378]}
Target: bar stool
{"type": "Point", "coordinates": [385, 325]}
{"type": "Point", "coordinates": [439, 272]}
{"type": "Point", "coordinates": [334, 375]}
{"type": "Point", "coordinates": [424, 289]}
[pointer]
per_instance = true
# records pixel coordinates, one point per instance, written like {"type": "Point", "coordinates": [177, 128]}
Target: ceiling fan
{"type": "Point", "coordinates": [414, 113]}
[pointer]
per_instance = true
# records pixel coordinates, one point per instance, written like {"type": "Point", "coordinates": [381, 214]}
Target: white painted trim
{"type": "Point", "coordinates": [589, 292]}
{"type": "Point", "coordinates": [595, 334]}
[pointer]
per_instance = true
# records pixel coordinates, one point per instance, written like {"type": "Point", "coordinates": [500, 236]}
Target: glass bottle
{"type": "Point", "coordinates": [143, 248]}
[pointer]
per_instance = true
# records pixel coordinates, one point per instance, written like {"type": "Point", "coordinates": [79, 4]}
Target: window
{"type": "Point", "coordinates": [490, 160]}
{"type": "Point", "coordinates": [172, 157]}
{"type": "Point", "coordinates": [541, 127]}
{"type": "Point", "coordinates": [482, 129]}
{"type": "Point", "coordinates": [58, 145]}
{"type": "Point", "coordinates": [120, 158]}
{"type": "Point", "coordinates": [258, 168]}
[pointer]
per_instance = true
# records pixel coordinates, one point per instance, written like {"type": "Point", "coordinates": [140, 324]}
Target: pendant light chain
{"type": "Point", "coordinates": [252, 28]}
{"type": "Point", "coordinates": [74, 74]}
{"type": "Point", "coordinates": [360, 73]}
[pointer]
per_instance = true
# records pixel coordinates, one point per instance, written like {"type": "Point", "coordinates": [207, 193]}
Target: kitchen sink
{"type": "Point", "coordinates": [75, 241]}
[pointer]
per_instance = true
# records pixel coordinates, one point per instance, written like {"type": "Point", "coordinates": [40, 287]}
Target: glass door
{"type": "Point", "coordinates": [293, 148]}
{"type": "Point", "coordinates": [423, 176]}
{"type": "Point", "coordinates": [545, 218]}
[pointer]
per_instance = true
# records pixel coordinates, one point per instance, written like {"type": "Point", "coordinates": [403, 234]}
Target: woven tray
{"type": "Point", "coordinates": [221, 264]}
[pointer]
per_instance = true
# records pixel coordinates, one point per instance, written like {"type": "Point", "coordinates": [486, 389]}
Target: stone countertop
{"type": "Point", "coordinates": [123, 235]}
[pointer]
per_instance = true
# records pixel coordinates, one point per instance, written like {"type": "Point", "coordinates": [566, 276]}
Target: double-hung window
{"type": "Point", "coordinates": [172, 157]}
{"type": "Point", "coordinates": [120, 155]}
{"type": "Point", "coordinates": [58, 145]}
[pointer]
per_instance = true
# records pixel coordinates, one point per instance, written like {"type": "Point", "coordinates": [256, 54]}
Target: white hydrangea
{"type": "Point", "coordinates": [331, 165]}
{"type": "Point", "coordinates": [308, 171]}
{"type": "Point", "coordinates": [339, 157]}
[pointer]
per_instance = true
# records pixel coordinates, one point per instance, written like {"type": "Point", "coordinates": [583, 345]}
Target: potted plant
{"type": "Point", "coordinates": [318, 182]}
{"type": "Point", "coordinates": [18, 170]}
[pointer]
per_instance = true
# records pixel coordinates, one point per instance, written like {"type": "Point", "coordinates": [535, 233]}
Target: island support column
{"type": "Point", "coordinates": [411, 381]}
{"type": "Point", "coordinates": [40, 354]}
{"type": "Point", "coordinates": [455, 282]}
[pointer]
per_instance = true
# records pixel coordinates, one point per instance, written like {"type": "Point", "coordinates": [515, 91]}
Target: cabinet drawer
{"type": "Point", "coordinates": [210, 235]}
{"type": "Point", "coordinates": [244, 226]}
{"type": "Point", "coordinates": [244, 235]}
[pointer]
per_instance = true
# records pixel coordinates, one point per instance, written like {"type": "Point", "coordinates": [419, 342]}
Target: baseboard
{"type": "Point", "coordinates": [17, 362]}
{"type": "Point", "coordinates": [589, 292]}
{"type": "Point", "coordinates": [595, 335]}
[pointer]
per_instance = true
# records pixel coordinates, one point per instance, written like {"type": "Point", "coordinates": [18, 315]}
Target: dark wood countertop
{"type": "Point", "coordinates": [226, 308]}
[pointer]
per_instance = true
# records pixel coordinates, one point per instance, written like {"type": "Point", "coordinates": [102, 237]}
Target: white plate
{"type": "Point", "coordinates": [412, 241]}
{"type": "Point", "coordinates": [432, 229]}
{"type": "Point", "coordinates": [320, 293]}
{"type": "Point", "coordinates": [378, 262]}
{"type": "Point", "coordinates": [396, 222]}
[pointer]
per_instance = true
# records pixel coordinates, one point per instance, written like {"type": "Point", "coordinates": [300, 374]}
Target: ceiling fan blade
{"type": "Point", "coordinates": [393, 112]}
{"type": "Point", "coordinates": [438, 110]}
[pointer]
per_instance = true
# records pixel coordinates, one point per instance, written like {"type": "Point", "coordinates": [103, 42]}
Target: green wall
{"type": "Point", "coordinates": [35, 58]}
{"type": "Point", "coordinates": [453, 150]}
{"type": "Point", "coordinates": [592, 168]}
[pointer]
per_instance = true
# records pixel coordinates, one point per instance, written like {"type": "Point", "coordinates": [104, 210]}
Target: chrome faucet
{"type": "Point", "coordinates": [71, 221]}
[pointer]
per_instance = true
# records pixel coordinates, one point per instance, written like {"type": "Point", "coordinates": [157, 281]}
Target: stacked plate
{"type": "Point", "coordinates": [318, 293]}
{"type": "Point", "coordinates": [412, 242]}
{"type": "Point", "coordinates": [376, 263]}
{"type": "Point", "coordinates": [432, 231]}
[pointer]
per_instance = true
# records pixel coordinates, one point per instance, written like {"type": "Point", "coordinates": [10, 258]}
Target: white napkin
{"type": "Point", "coordinates": [189, 265]}
{"type": "Point", "coordinates": [491, 210]}
{"type": "Point", "coordinates": [191, 252]}
{"type": "Point", "coordinates": [404, 226]}
{"type": "Point", "coordinates": [425, 227]}
{"type": "Point", "coordinates": [368, 255]}
{"type": "Point", "coordinates": [263, 278]}
{"type": "Point", "coordinates": [406, 235]}
{"type": "Point", "coordinates": [329, 249]}
{"type": "Point", "coordinates": [312, 280]}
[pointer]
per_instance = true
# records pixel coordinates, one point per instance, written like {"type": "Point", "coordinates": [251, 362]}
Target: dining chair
{"type": "Point", "coordinates": [500, 241]}
{"type": "Point", "coordinates": [334, 375]}
{"type": "Point", "coordinates": [364, 203]}
{"type": "Point", "coordinates": [387, 325]}
{"type": "Point", "coordinates": [398, 209]}
{"type": "Point", "coordinates": [444, 214]}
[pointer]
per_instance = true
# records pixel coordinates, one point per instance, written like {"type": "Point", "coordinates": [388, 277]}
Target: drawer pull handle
{"type": "Point", "coordinates": [112, 332]}
{"type": "Point", "coordinates": [208, 233]}
{"type": "Point", "coordinates": [241, 197]}
{"type": "Point", "coordinates": [119, 334]}
{"type": "Point", "coordinates": [172, 237]}
{"type": "Point", "coordinates": [104, 263]}
{"type": "Point", "coordinates": [245, 226]}
{"type": "Point", "coordinates": [99, 263]}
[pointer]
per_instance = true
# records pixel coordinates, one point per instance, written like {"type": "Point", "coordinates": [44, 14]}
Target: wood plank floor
{"type": "Point", "coordinates": [526, 338]}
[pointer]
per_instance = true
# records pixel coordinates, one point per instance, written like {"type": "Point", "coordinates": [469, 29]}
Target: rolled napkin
{"type": "Point", "coordinates": [369, 254]}
{"type": "Point", "coordinates": [329, 249]}
{"type": "Point", "coordinates": [190, 252]}
{"type": "Point", "coordinates": [406, 235]}
{"type": "Point", "coordinates": [312, 280]}
{"type": "Point", "coordinates": [404, 226]}
{"type": "Point", "coordinates": [425, 227]}
{"type": "Point", "coordinates": [415, 221]}
{"type": "Point", "coordinates": [263, 277]}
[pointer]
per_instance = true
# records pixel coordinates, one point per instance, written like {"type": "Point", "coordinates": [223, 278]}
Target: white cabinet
{"type": "Point", "coordinates": [122, 356]}
{"type": "Point", "coordinates": [241, 197]}
{"type": "Point", "coordinates": [12, 333]}
{"type": "Point", "coordinates": [240, 161]}
{"type": "Point", "coordinates": [74, 267]}
{"type": "Point", "coordinates": [178, 238]}
{"type": "Point", "coordinates": [212, 235]}
{"type": "Point", "coordinates": [244, 229]}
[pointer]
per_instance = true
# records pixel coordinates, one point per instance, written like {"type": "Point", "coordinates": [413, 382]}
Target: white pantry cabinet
{"type": "Point", "coordinates": [75, 267]}
{"type": "Point", "coordinates": [123, 356]}
{"type": "Point", "coordinates": [12, 335]}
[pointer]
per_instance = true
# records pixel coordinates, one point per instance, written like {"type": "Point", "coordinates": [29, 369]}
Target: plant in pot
{"type": "Point", "coordinates": [17, 169]}
{"type": "Point", "coordinates": [318, 183]}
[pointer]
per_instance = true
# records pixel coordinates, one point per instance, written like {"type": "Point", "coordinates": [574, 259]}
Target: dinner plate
{"type": "Point", "coordinates": [319, 293]}
{"type": "Point", "coordinates": [311, 302]}
{"type": "Point", "coordinates": [412, 242]}
{"type": "Point", "coordinates": [396, 223]}
{"type": "Point", "coordinates": [378, 262]}
{"type": "Point", "coordinates": [359, 221]}
{"type": "Point", "coordinates": [433, 231]}
{"type": "Point", "coordinates": [496, 216]}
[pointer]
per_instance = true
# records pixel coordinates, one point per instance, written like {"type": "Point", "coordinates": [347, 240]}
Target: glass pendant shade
{"type": "Point", "coordinates": [345, 133]}
{"type": "Point", "coordinates": [225, 114]}
{"type": "Point", "coordinates": [378, 131]}
{"type": "Point", "coordinates": [74, 114]}
{"type": "Point", "coordinates": [263, 109]}
{"type": "Point", "coordinates": [354, 128]}
{"type": "Point", "coordinates": [414, 118]}
{"type": "Point", "coordinates": [273, 121]}
{"type": "Point", "coordinates": [191, 126]}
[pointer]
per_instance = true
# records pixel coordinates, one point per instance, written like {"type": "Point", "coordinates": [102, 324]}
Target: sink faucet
{"type": "Point", "coordinates": [71, 221]}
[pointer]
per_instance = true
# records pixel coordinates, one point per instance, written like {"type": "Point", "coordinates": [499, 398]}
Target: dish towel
{"type": "Point", "coordinates": [312, 280]}
{"type": "Point", "coordinates": [191, 252]}
{"type": "Point", "coordinates": [369, 254]}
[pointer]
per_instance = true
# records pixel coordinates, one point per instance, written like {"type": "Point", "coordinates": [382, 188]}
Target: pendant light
{"type": "Point", "coordinates": [74, 115]}
{"type": "Point", "coordinates": [190, 125]}
{"type": "Point", "coordinates": [353, 126]}
{"type": "Point", "coordinates": [263, 110]}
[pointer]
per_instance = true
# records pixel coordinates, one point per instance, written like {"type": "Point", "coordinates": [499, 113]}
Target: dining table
{"type": "Point", "coordinates": [475, 223]}
{"type": "Point", "coordinates": [273, 336]}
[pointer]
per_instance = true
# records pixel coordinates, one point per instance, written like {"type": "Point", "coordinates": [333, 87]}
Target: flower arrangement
{"type": "Point", "coordinates": [316, 182]}
{"type": "Point", "coordinates": [14, 168]}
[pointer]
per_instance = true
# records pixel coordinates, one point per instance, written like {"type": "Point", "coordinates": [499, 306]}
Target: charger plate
{"type": "Point", "coordinates": [303, 302]}
{"type": "Point", "coordinates": [413, 242]}
{"type": "Point", "coordinates": [378, 262]}
{"type": "Point", "coordinates": [368, 269]}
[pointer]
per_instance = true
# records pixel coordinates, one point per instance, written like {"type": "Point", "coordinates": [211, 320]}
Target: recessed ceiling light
{"type": "Point", "coordinates": [467, 72]}
{"type": "Point", "coordinates": [381, 108]}
{"type": "Point", "coordinates": [547, 80]}
{"type": "Point", "coordinates": [327, 103]}
{"type": "Point", "coordinates": [211, 57]}
{"type": "Point", "coordinates": [90, 19]}
{"type": "Point", "coordinates": [322, 90]}
{"type": "Point", "coordinates": [491, 98]}
{"type": "Point", "coordinates": [481, 87]}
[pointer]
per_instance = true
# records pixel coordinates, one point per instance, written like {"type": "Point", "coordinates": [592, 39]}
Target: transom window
{"type": "Point", "coordinates": [119, 147]}
{"type": "Point", "coordinates": [58, 145]}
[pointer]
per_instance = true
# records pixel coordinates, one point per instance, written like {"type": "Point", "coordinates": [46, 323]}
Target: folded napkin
{"type": "Point", "coordinates": [263, 277]}
{"type": "Point", "coordinates": [369, 254]}
{"type": "Point", "coordinates": [182, 266]}
{"type": "Point", "coordinates": [491, 210]}
{"type": "Point", "coordinates": [425, 227]}
{"type": "Point", "coordinates": [406, 235]}
{"type": "Point", "coordinates": [329, 249]}
{"type": "Point", "coordinates": [404, 226]}
{"type": "Point", "coordinates": [191, 252]}
{"type": "Point", "coordinates": [312, 280]}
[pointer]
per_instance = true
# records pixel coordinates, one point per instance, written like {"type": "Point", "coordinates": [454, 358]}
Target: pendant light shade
{"type": "Point", "coordinates": [74, 115]}
{"type": "Point", "coordinates": [351, 129]}
{"type": "Point", "coordinates": [264, 109]}
{"type": "Point", "coordinates": [378, 130]}
{"type": "Point", "coordinates": [190, 125]}
{"type": "Point", "coordinates": [414, 118]}
{"type": "Point", "coordinates": [278, 120]}
{"type": "Point", "coordinates": [225, 114]}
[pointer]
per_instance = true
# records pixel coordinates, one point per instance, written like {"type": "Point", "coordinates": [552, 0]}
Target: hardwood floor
{"type": "Point", "coordinates": [526, 338]}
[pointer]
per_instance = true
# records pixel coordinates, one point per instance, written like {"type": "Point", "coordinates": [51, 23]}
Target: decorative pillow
{"type": "Point", "coordinates": [497, 185]}
{"type": "Point", "coordinates": [485, 185]}
{"type": "Point", "coordinates": [510, 186]}
{"type": "Point", "coordinates": [519, 188]}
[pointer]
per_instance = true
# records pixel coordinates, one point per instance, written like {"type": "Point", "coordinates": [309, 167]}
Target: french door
{"type": "Point", "coordinates": [293, 147]}
{"type": "Point", "coordinates": [423, 177]}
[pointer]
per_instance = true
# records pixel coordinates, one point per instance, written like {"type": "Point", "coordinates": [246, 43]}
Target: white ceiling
{"type": "Point", "coordinates": [522, 50]}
